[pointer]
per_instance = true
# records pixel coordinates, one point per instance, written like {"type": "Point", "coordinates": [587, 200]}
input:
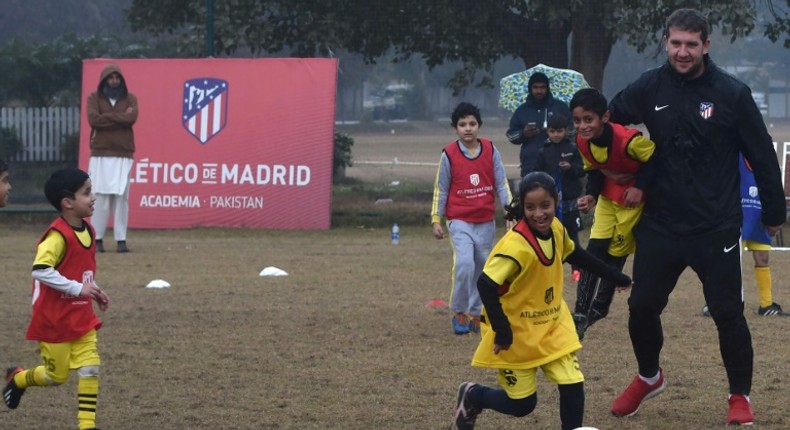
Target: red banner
{"type": "Point", "coordinates": [227, 142]}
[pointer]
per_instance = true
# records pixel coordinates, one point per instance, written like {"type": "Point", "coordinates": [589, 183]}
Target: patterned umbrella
{"type": "Point", "coordinates": [513, 89]}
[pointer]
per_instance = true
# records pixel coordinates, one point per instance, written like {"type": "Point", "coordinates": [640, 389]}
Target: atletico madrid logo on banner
{"type": "Point", "coordinates": [205, 109]}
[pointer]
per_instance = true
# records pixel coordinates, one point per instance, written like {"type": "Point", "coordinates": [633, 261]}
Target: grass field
{"type": "Point", "coordinates": [346, 340]}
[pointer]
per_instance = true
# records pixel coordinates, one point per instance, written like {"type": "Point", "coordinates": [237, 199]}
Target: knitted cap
{"type": "Point", "coordinates": [538, 77]}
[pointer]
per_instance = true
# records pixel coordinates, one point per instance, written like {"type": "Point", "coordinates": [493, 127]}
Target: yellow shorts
{"type": "Point", "coordinates": [60, 358]}
{"type": "Point", "coordinates": [615, 221]}
{"type": "Point", "coordinates": [521, 383]}
{"type": "Point", "coordinates": [750, 245]}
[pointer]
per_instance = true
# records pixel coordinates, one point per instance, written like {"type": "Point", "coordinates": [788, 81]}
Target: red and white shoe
{"type": "Point", "coordinates": [740, 413]}
{"type": "Point", "coordinates": [628, 403]}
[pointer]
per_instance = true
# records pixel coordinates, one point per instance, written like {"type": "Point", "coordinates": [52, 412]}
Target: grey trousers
{"type": "Point", "coordinates": [472, 242]}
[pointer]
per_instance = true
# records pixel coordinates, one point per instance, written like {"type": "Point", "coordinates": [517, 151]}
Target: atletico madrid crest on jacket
{"type": "Point", "coordinates": [706, 109]}
{"type": "Point", "coordinates": [205, 107]}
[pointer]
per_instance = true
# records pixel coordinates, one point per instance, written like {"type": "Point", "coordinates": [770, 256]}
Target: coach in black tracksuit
{"type": "Point", "coordinates": [700, 119]}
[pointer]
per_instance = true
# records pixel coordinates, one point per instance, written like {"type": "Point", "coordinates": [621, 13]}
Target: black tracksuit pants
{"type": "Point", "coordinates": [715, 257]}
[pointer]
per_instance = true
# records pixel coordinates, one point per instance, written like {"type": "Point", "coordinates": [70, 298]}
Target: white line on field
{"type": "Point", "coordinates": [406, 163]}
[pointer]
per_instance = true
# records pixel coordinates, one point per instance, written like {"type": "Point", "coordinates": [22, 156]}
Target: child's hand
{"type": "Point", "coordinates": [632, 197]}
{"type": "Point", "coordinates": [103, 300]}
{"type": "Point", "coordinates": [623, 289]}
{"type": "Point", "coordinates": [93, 291]}
{"type": "Point", "coordinates": [438, 231]}
{"type": "Point", "coordinates": [773, 230]}
{"type": "Point", "coordinates": [503, 339]}
{"type": "Point", "coordinates": [622, 282]}
{"type": "Point", "coordinates": [585, 203]}
{"type": "Point", "coordinates": [530, 131]}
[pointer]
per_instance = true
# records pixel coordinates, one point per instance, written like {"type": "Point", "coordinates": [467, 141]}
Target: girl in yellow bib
{"type": "Point", "coordinates": [526, 324]}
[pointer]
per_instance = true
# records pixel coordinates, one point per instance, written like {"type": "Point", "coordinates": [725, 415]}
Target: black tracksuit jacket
{"type": "Point", "coordinates": [548, 161]}
{"type": "Point", "coordinates": [699, 127]}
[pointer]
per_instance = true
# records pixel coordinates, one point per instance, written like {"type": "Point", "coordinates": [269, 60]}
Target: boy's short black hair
{"type": "Point", "coordinates": [557, 121]}
{"type": "Point", "coordinates": [3, 166]}
{"type": "Point", "coordinates": [64, 183]}
{"type": "Point", "coordinates": [590, 99]}
{"type": "Point", "coordinates": [690, 20]}
{"type": "Point", "coordinates": [465, 109]}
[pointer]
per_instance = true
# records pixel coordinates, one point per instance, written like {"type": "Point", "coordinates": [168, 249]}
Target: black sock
{"type": "Point", "coordinates": [571, 405]}
{"type": "Point", "coordinates": [498, 400]}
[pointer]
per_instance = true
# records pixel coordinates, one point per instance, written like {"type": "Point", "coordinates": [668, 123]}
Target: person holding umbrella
{"type": "Point", "coordinates": [529, 122]}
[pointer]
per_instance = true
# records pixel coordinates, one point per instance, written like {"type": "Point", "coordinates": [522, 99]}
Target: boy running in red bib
{"type": "Point", "coordinates": [63, 322]}
{"type": "Point", "coordinates": [471, 176]}
{"type": "Point", "coordinates": [615, 158]}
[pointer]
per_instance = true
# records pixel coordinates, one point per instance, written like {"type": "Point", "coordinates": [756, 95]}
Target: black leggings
{"type": "Point", "coordinates": [571, 403]}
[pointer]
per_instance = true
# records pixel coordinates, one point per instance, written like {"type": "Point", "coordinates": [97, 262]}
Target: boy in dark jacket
{"type": "Point", "coordinates": [559, 158]}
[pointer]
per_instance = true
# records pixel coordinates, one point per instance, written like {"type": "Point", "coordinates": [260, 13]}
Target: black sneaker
{"type": "Point", "coordinates": [11, 393]}
{"type": "Point", "coordinates": [705, 311]}
{"type": "Point", "coordinates": [99, 245]}
{"type": "Point", "coordinates": [774, 310]}
{"type": "Point", "coordinates": [122, 246]}
{"type": "Point", "coordinates": [465, 413]}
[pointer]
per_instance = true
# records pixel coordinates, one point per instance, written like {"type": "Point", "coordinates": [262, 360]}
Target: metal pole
{"type": "Point", "coordinates": [209, 28]}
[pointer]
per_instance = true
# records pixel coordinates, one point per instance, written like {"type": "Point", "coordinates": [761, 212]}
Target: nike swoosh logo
{"type": "Point", "coordinates": [658, 108]}
{"type": "Point", "coordinates": [728, 249]}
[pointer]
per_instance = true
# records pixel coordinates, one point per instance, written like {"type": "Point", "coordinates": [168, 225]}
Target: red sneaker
{"type": "Point", "coordinates": [627, 404]}
{"type": "Point", "coordinates": [740, 411]}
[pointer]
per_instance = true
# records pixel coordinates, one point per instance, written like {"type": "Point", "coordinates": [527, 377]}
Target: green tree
{"type": "Point", "coordinates": [10, 143]}
{"type": "Point", "coordinates": [39, 21]}
{"type": "Point", "coordinates": [342, 155]}
{"type": "Point", "coordinates": [474, 34]}
{"type": "Point", "coordinates": [50, 74]}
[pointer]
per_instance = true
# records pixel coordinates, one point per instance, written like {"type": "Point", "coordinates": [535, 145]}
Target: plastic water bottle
{"type": "Point", "coordinates": [395, 234]}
